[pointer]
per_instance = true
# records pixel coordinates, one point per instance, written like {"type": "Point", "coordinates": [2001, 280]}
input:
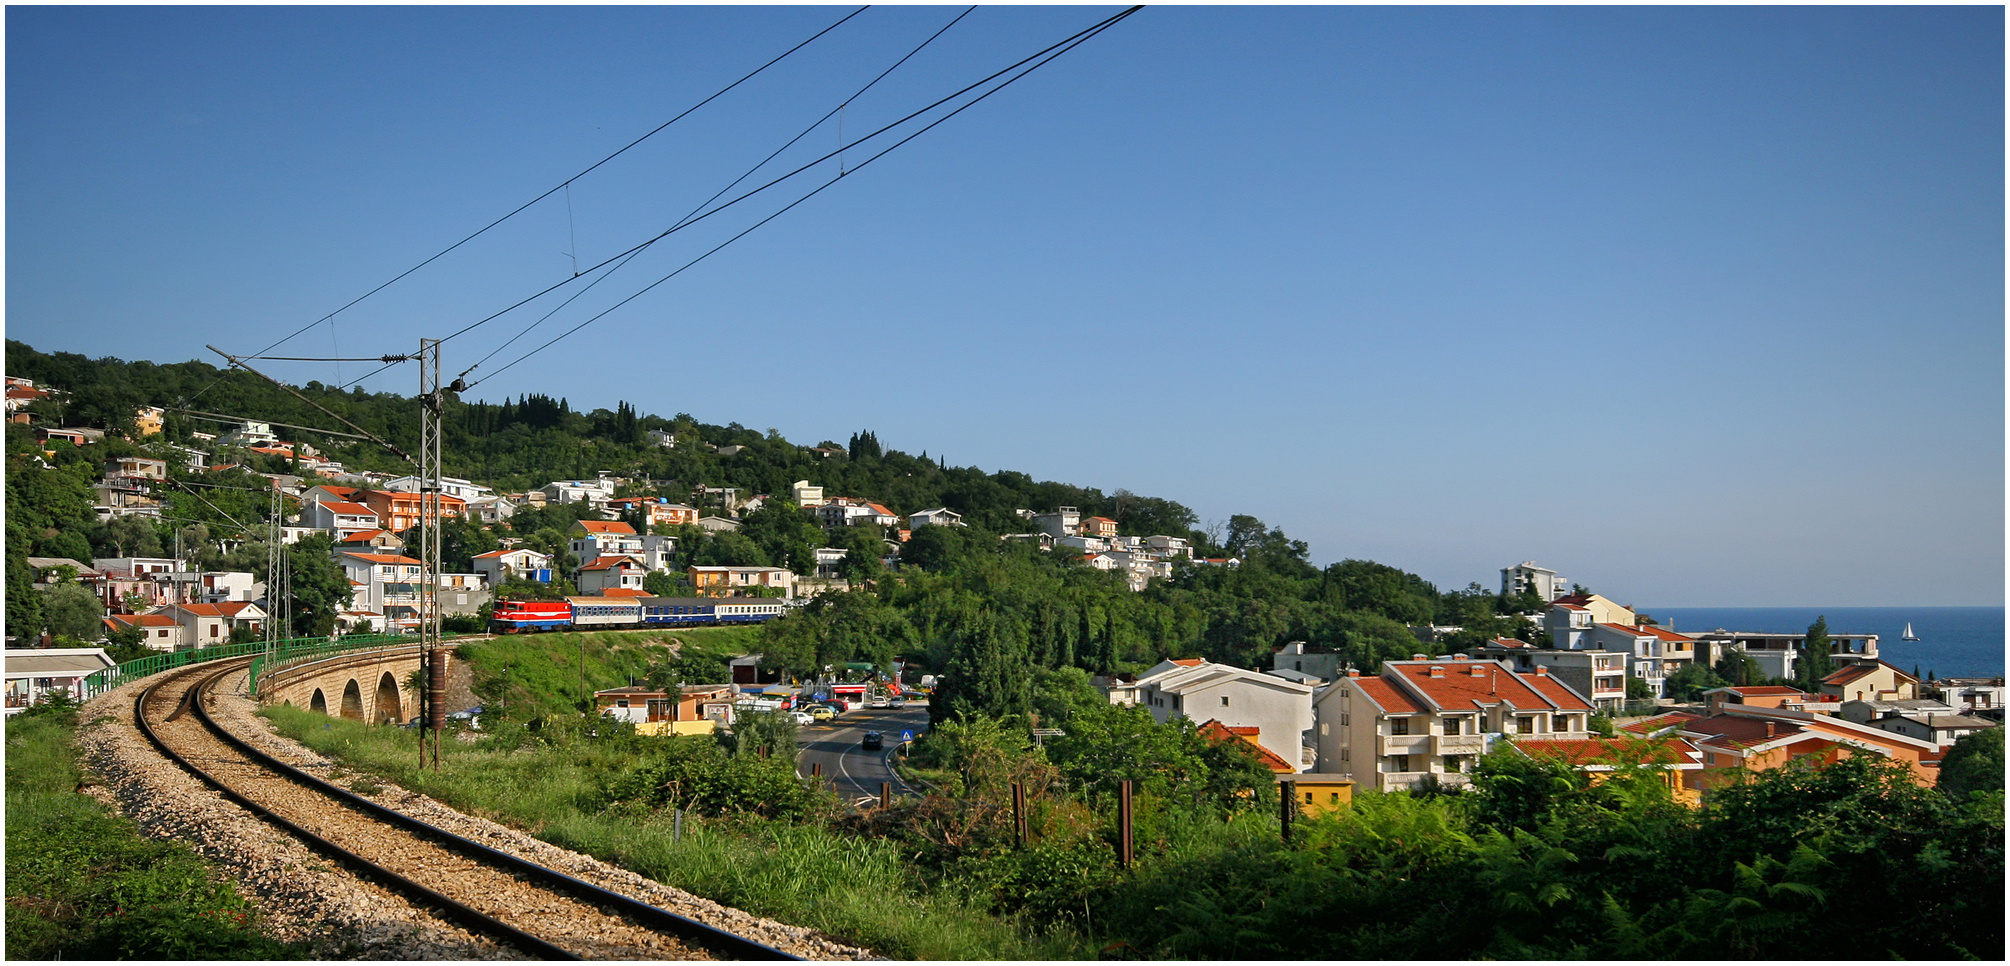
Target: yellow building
{"type": "Point", "coordinates": [1319, 793]}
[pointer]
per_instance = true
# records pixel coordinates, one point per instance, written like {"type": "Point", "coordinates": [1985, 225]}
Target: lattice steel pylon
{"type": "Point", "coordinates": [432, 403]}
{"type": "Point", "coordinates": [278, 580]}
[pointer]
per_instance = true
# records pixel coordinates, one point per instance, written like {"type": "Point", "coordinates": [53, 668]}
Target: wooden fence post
{"type": "Point", "coordinates": [1124, 824]}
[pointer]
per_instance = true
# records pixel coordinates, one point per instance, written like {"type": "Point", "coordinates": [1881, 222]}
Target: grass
{"type": "Point", "coordinates": [83, 883]}
{"type": "Point", "coordinates": [860, 890]}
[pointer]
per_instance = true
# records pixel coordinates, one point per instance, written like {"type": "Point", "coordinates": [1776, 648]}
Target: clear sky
{"type": "Point", "coordinates": [1698, 306]}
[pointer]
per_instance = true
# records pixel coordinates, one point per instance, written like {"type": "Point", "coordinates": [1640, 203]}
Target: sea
{"type": "Point", "coordinates": [1954, 642]}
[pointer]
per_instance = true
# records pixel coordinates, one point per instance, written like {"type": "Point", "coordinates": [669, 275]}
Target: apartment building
{"type": "Point", "coordinates": [1426, 717]}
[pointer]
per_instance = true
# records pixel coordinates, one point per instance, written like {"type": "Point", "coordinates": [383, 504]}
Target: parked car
{"type": "Point", "coordinates": [802, 717]}
{"type": "Point", "coordinates": [897, 703]}
{"type": "Point", "coordinates": [820, 712]}
{"type": "Point", "coordinates": [876, 701]}
{"type": "Point", "coordinates": [872, 742]}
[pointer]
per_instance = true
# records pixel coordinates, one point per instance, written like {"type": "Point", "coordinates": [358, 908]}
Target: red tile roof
{"type": "Point", "coordinates": [357, 509]}
{"type": "Point", "coordinates": [200, 610]}
{"type": "Point", "coordinates": [1469, 685]}
{"type": "Point", "coordinates": [1247, 735]}
{"type": "Point", "coordinates": [606, 526]}
{"type": "Point", "coordinates": [611, 562]}
{"type": "Point", "coordinates": [1733, 731]}
{"type": "Point", "coordinates": [389, 558]}
{"type": "Point", "coordinates": [1758, 690]}
{"type": "Point", "coordinates": [1189, 661]}
{"type": "Point", "coordinates": [145, 620]}
{"type": "Point", "coordinates": [1392, 700]}
{"type": "Point", "coordinates": [1660, 721]}
{"type": "Point", "coordinates": [624, 592]}
{"type": "Point", "coordinates": [364, 536]}
{"type": "Point", "coordinates": [1610, 751]}
{"type": "Point", "coordinates": [232, 608]}
{"type": "Point", "coordinates": [1857, 672]}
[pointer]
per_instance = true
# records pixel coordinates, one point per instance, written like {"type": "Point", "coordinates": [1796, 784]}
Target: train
{"type": "Point", "coordinates": [618, 613]}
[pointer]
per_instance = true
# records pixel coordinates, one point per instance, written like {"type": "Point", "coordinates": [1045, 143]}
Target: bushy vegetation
{"type": "Point", "coordinates": [83, 884]}
{"type": "Point", "coordinates": [1534, 861]}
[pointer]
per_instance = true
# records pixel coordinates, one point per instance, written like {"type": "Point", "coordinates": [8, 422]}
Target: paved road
{"type": "Point", "coordinates": [853, 772]}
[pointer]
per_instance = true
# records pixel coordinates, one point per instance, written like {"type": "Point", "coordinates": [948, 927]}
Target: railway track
{"type": "Point", "coordinates": [538, 911]}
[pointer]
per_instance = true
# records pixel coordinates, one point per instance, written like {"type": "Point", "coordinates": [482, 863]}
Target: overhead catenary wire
{"type": "Point", "coordinates": [1056, 50]}
{"type": "Point", "coordinates": [563, 184]}
{"type": "Point", "coordinates": [632, 254]}
{"type": "Point", "coordinates": [1049, 53]}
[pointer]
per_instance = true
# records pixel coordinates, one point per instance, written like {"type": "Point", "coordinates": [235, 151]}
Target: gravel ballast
{"type": "Point", "coordinates": [306, 899]}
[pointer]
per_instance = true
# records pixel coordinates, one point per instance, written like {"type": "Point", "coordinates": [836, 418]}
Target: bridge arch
{"type": "Point", "coordinates": [352, 701]}
{"type": "Point", "coordinates": [388, 707]}
{"type": "Point", "coordinates": [320, 703]}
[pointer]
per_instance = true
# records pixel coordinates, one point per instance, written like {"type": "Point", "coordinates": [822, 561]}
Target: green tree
{"type": "Point", "coordinates": [320, 587]}
{"type": "Point", "coordinates": [1974, 764]}
{"type": "Point", "coordinates": [1815, 661]}
{"type": "Point", "coordinates": [758, 732]}
{"type": "Point", "coordinates": [1690, 681]}
{"type": "Point", "coordinates": [71, 610]}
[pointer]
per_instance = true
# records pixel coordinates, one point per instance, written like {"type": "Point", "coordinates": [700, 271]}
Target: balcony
{"type": "Point", "coordinates": [1406, 745]}
{"type": "Point", "coordinates": [1459, 744]}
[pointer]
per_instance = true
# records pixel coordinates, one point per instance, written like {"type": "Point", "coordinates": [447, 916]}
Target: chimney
{"type": "Point", "coordinates": [1353, 672]}
{"type": "Point", "coordinates": [1479, 670]}
{"type": "Point", "coordinates": [1461, 657]}
{"type": "Point", "coordinates": [1541, 671]}
{"type": "Point", "coordinates": [1417, 657]}
{"type": "Point", "coordinates": [1437, 670]}
{"type": "Point", "coordinates": [1772, 730]}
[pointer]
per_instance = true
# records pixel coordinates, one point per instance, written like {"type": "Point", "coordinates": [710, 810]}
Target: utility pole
{"type": "Point", "coordinates": [432, 401]}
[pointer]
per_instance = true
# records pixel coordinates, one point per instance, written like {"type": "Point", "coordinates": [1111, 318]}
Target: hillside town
{"type": "Point", "coordinates": [1592, 661]}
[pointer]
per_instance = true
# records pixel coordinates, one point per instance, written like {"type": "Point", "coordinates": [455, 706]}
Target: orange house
{"type": "Point", "coordinates": [400, 511]}
{"type": "Point", "coordinates": [1759, 739]}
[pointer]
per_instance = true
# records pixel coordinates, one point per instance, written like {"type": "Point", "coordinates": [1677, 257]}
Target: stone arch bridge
{"type": "Point", "coordinates": [372, 685]}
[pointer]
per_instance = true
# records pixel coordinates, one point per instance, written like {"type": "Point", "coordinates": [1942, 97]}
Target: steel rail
{"type": "Point", "coordinates": [725, 944]}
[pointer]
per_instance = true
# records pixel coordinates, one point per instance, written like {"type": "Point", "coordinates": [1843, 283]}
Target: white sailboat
{"type": "Point", "coordinates": [1908, 635]}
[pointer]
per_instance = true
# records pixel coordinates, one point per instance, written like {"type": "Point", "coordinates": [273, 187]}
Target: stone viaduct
{"type": "Point", "coordinates": [372, 685]}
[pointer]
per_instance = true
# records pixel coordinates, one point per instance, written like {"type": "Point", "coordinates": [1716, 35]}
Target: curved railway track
{"type": "Point", "coordinates": [544, 913]}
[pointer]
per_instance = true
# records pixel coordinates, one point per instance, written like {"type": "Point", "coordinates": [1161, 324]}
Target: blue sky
{"type": "Point", "coordinates": [1698, 306]}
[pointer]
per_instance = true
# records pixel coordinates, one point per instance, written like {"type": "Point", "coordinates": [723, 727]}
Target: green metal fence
{"type": "Point", "coordinates": [315, 648]}
{"type": "Point", "coordinates": [289, 651]}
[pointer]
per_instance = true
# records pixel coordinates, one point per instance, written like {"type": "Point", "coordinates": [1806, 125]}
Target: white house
{"type": "Point", "coordinates": [1203, 691]}
{"type": "Point", "coordinates": [498, 566]}
{"type": "Point", "coordinates": [34, 674]}
{"type": "Point", "coordinates": [615, 572]}
{"type": "Point", "coordinates": [386, 584]}
{"type": "Point", "coordinates": [940, 516]}
{"type": "Point", "coordinates": [449, 485]}
{"type": "Point", "coordinates": [1547, 583]}
{"type": "Point", "coordinates": [340, 518]}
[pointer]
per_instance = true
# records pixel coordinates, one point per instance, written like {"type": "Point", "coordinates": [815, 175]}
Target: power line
{"type": "Point", "coordinates": [1051, 52]}
{"type": "Point", "coordinates": [561, 185]}
{"type": "Point", "coordinates": [632, 254]}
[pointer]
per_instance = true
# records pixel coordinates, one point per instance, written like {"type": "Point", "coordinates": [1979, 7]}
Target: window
{"type": "Point", "coordinates": [1399, 726]}
{"type": "Point", "coordinates": [1308, 798]}
{"type": "Point", "coordinates": [1456, 764]}
{"type": "Point", "coordinates": [1399, 763]}
{"type": "Point", "coordinates": [1343, 752]}
{"type": "Point", "coordinates": [1343, 719]}
{"type": "Point", "coordinates": [1524, 726]}
{"type": "Point", "coordinates": [1224, 700]}
{"type": "Point", "coordinates": [1454, 726]}
{"type": "Point", "coordinates": [1322, 729]}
